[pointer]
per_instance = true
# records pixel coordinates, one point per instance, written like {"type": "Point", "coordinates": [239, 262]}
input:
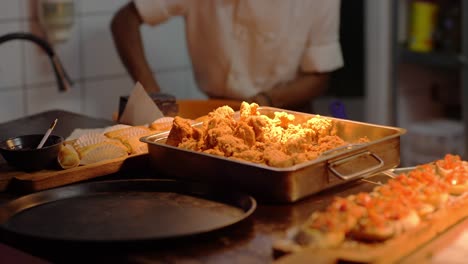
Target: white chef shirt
{"type": "Point", "coordinates": [241, 47]}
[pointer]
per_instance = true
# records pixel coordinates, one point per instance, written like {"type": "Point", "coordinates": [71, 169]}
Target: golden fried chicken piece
{"type": "Point", "coordinates": [251, 155]}
{"type": "Point", "coordinates": [297, 139]}
{"type": "Point", "coordinates": [222, 112]}
{"type": "Point", "coordinates": [182, 129]}
{"type": "Point", "coordinates": [329, 142]}
{"type": "Point", "coordinates": [322, 126]}
{"type": "Point", "coordinates": [247, 110]}
{"type": "Point", "coordinates": [222, 116]}
{"type": "Point", "coordinates": [246, 133]}
{"type": "Point", "coordinates": [283, 119]}
{"type": "Point", "coordinates": [191, 144]}
{"type": "Point", "coordinates": [229, 144]}
{"type": "Point", "coordinates": [212, 135]}
{"type": "Point", "coordinates": [260, 125]}
{"type": "Point", "coordinates": [276, 158]}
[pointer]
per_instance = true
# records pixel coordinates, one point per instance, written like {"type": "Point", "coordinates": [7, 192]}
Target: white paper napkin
{"type": "Point", "coordinates": [140, 108]}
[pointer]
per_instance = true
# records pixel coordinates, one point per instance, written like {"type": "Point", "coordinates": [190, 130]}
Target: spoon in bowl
{"type": "Point", "coordinates": [47, 134]}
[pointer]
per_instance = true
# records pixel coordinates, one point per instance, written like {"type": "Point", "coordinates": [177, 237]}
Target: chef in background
{"type": "Point", "coordinates": [273, 52]}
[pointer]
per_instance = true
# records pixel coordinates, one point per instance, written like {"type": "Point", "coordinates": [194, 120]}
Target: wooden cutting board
{"type": "Point", "coordinates": [449, 247]}
{"type": "Point", "coordinates": [390, 251]}
{"type": "Point", "coordinates": [46, 179]}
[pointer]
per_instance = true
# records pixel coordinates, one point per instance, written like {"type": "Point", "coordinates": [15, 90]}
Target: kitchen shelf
{"type": "Point", "coordinates": [436, 59]}
{"type": "Point", "coordinates": [454, 62]}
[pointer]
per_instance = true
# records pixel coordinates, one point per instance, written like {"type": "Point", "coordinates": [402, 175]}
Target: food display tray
{"type": "Point", "coordinates": [106, 211]}
{"type": "Point", "coordinates": [271, 184]}
{"type": "Point", "coordinates": [417, 245]}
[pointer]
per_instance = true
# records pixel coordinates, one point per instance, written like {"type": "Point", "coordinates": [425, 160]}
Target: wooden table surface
{"type": "Point", "coordinates": [249, 241]}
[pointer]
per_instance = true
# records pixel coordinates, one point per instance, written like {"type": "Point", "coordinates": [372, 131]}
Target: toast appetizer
{"type": "Point", "coordinates": [414, 206]}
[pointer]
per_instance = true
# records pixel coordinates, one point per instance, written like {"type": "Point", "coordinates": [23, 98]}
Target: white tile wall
{"type": "Point", "coordinates": [11, 104]}
{"type": "Point", "coordinates": [101, 97]}
{"type": "Point", "coordinates": [10, 9]}
{"type": "Point", "coordinates": [11, 60]}
{"type": "Point", "coordinates": [99, 55]}
{"type": "Point", "coordinates": [47, 97]}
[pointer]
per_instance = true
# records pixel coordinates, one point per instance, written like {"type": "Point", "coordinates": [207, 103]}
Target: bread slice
{"type": "Point", "coordinates": [130, 137]}
{"type": "Point", "coordinates": [68, 157]}
{"type": "Point", "coordinates": [102, 151]}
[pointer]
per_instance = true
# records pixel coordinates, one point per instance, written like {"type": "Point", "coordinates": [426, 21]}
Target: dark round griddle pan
{"type": "Point", "coordinates": [124, 211]}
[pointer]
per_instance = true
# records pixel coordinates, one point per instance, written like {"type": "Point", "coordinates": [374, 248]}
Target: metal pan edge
{"type": "Point", "coordinates": [246, 203]}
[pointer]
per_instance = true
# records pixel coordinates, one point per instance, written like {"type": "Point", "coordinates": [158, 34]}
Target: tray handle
{"type": "Point", "coordinates": [345, 147]}
{"type": "Point", "coordinates": [331, 166]}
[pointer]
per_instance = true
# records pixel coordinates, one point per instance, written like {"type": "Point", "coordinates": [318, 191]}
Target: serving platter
{"type": "Point", "coordinates": [123, 211]}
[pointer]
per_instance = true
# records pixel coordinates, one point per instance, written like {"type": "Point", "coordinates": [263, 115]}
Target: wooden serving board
{"type": "Point", "coordinates": [390, 251]}
{"type": "Point", "coordinates": [46, 179]}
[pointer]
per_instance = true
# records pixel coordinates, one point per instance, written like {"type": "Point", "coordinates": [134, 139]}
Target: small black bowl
{"type": "Point", "coordinates": [21, 152]}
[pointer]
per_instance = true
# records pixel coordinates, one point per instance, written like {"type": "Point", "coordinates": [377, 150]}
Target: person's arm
{"type": "Point", "coordinates": [125, 27]}
{"type": "Point", "coordinates": [294, 93]}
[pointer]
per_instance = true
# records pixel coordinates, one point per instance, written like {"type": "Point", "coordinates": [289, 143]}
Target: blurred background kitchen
{"type": "Point", "coordinates": [404, 66]}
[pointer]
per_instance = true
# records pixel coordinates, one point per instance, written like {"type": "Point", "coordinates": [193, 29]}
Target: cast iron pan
{"type": "Point", "coordinates": [123, 211]}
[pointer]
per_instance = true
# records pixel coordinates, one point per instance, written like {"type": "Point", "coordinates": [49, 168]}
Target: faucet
{"type": "Point", "coordinates": [63, 80]}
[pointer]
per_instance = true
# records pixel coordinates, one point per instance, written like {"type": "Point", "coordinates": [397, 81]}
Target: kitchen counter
{"type": "Point", "coordinates": [249, 241]}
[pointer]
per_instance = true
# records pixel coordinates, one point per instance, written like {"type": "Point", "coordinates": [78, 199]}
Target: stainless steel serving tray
{"type": "Point", "coordinates": [290, 184]}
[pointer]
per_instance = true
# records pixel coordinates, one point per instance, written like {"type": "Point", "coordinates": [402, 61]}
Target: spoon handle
{"type": "Point", "coordinates": [47, 134]}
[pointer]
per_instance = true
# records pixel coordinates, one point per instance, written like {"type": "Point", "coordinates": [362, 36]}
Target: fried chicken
{"type": "Point", "coordinates": [182, 130]}
{"type": "Point", "coordinates": [278, 142]}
